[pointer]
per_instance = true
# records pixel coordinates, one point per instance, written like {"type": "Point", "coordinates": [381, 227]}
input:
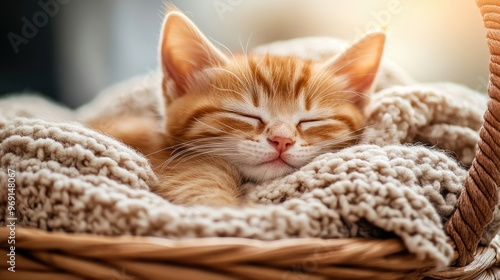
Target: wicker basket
{"type": "Point", "coordinates": [44, 255]}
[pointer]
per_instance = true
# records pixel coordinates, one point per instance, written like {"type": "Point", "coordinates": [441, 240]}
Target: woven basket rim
{"type": "Point", "coordinates": [349, 258]}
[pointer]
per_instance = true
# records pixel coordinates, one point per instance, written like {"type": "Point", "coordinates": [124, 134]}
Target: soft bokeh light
{"type": "Point", "coordinates": [98, 43]}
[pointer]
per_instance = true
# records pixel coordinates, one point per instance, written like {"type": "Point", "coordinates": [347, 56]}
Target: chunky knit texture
{"type": "Point", "coordinates": [403, 179]}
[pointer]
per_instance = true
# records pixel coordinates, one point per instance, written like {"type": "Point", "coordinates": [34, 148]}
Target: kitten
{"type": "Point", "coordinates": [232, 119]}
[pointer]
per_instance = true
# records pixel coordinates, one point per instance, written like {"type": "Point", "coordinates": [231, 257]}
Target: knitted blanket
{"type": "Point", "coordinates": [402, 180]}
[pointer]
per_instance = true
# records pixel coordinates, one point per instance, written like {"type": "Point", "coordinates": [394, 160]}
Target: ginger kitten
{"type": "Point", "coordinates": [237, 118]}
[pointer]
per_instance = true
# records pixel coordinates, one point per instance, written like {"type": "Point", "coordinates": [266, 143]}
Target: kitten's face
{"type": "Point", "coordinates": [268, 115]}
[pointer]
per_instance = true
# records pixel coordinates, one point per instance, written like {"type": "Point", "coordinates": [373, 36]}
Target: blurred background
{"type": "Point", "coordinates": [70, 50]}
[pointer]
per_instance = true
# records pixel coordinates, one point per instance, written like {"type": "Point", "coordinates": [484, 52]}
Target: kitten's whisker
{"type": "Point", "coordinates": [245, 49]}
{"type": "Point", "coordinates": [253, 76]}
{"type": "Point", "coordinates": [247, 78]}
{"type": "Point", "coordinates": [333, 73]}
{"type": "Point", "coordinates": [248, 82]}
{"type": "Point", "coordinates": [158, 151]}
{"type": "Point", "coordinates": [230, 90]}
{"type": "Point", "coordinates": [209, 126]}
{"type": "Point", "coordinates": [317, 78]}
{"type": "Point", "coordinates": [345, 78]}
{"type": "Point", "coordinates": [332, 142]}
{"type": "Point", "coordinates": [194, 146]}
{"type": "Point", "coordinates": [171, 159]}
{"type": "Point", "coordinates": [230, 127]}
{"type": "Point", "coordinates": [351, 135]}
{"type": "Point", "coordinates": [166, 148]}
{"type": "Point", "coordinates": [212, 146]}
{"type": "Point", "coordinates": [351, 62]}
{"type": "Point", "coordinates": [220, 130]}
{"type": "Point", "coordinates": [194, 155]}
{"type": "Point", "coordinates": [224, 47]}
{"type": "Point", "coordinates": [326, 94]}
{"type": "Point", "coordinates": [179, 152]}
{"type": "Point", "coordinates": [256, 67]}
{"type": "Point", "coordinates": [339, 140]}
{"type": "Point", "coordinates": [245, 86]}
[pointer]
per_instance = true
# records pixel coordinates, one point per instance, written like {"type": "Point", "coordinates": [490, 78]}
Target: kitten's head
{"type": "Point", "coordinates": [266, 114]}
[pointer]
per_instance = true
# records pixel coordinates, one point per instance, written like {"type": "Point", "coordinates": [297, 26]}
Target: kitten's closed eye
{"type": "Point", "coordinates": [308, 123]}
{"type": "Point", "coordinates": [248, 118]}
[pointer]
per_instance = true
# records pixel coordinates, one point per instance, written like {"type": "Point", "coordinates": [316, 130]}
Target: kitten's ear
{"type": "Point", "coordinates": [357, 67]}
{"type": "Point", "coordinates": [184, 50]}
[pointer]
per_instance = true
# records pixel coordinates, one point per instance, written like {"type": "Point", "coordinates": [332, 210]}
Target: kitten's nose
{"type": "Point", "coordinates": [281, 143]}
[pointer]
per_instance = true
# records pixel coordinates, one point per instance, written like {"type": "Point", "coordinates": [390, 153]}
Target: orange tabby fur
{"type": "Point", "coordinates": [245, 117]}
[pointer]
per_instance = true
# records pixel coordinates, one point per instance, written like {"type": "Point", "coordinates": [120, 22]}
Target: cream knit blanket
{"type": "Point", "coordinates": [403, 179]}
